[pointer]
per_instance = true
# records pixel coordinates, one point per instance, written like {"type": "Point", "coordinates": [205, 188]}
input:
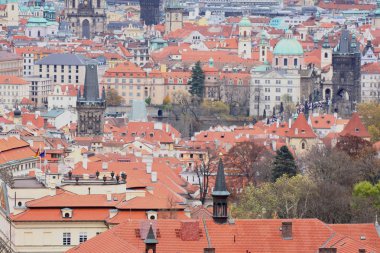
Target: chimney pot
{"type": "Point", "coordinates": [287, 230]}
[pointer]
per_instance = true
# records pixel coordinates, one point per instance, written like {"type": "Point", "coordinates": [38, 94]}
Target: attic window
{"type": "Point", "coordinates": [151, 134]}
{"type": "Point", "coordinates": [316, 122]}
{"type": "Point", "coordinates": [133, 134]}
{"type": "Point", "coordinates": [356, 129]}
{"type": "Point", "coordinates": [303, 131]}
{"type": "Point", "coordinates": [362, 237]}
{"type": "Point", "coordinates": [328, 122]}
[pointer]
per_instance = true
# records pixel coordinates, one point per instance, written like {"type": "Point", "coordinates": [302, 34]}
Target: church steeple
{"type": "Point", "coordinates": [220, 195]}
{"type": "Point", "coordinates": [150, 241]}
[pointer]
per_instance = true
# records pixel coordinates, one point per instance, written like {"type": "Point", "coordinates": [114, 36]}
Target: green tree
{"type": "Point", "coordinates": [113, 98]}
{"type": "Point", "coordinates": [288, 197]}
{"type": "Point", "coordinates": [148, 100]}
{"type": "Point", "coordinates": [370, 113]}
{"type": "Point", "coordinates": [197, 82]}
{"type": "Point", "coordinates": [283, 164]}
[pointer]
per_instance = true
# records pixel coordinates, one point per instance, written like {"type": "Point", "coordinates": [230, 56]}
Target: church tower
{"type": "Point", "coordinates": [264, 47]}
{"type": "Point", "coordinates": [220, 196]}
{"type": "Point", "coordinates": [87, 18]}
{"type": "Point", "coordinates": [326, 52]}
{"type": "Point", "coordinates": [90, 106]}
{"type": "Point", "coordinates": [245, 39]}
{"type": "Point", "coordinates": [376, 16]}
{"type": "Point", "coordinates": [346, 59]}
{"type": "Point", "coordinates": [173, 16]}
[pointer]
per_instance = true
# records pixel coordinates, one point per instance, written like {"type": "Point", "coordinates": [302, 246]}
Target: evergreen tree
{"type": "Point", "coordinates": [197, 82]}
{"type": "Point", "coordinates": [265, 114]}
{"type": "Point", "coordinates": [283, 164]}
{"type": "Point", "coordinates": [281, 107]}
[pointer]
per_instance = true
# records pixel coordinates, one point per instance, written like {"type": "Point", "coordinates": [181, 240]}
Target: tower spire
{"type": "Point", "coordinates": [220, 195]}
{"type": "Point", "coordinates": [150, 240]}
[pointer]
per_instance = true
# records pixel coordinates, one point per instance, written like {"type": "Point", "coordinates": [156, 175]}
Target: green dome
{"type": "Point", "coordinates": [288, 47]}
{"type": "Point", "coordinates": [245, 22]}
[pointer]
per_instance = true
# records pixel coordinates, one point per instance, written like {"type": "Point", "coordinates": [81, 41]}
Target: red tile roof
{"type": "Point", "coordinates": [355, 127]}
{"type": "Point", "coordinates": [301, 129]}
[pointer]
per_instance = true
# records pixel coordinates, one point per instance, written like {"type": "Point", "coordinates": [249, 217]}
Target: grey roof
{"type": "Point", "coordinates": [27, 182]}
{"type": "Point", "coordinates": [150, 238]}
{"type": "Point", "coordinates": [220, 184]}
{"type": "Point", "coordinates": [53, 113]}
{"type": "Point", "coordinates": [63, 59]}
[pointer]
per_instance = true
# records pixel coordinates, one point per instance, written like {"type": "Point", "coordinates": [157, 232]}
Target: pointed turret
{"type": "Point", "coordinates": [150, 241]}
{"type": "Point", "coordinates": [220, 195]}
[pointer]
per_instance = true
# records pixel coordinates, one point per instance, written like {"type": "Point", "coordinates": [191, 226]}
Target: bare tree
{"type": "Point", "coordinates": [204, 170]}
{"type": "Point", "coordinates": [6, 176]}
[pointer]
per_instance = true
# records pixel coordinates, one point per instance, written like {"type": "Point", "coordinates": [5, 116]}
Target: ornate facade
{"type": "Point", "coordinates": [91, 106]}
{"type": "Point", "coordinates": [87, 18]}
{"type": "Point", "coordinates": [346, 74]}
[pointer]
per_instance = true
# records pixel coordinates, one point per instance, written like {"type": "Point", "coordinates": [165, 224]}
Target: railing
{"type": "Point", "coordinates": [4, 247]}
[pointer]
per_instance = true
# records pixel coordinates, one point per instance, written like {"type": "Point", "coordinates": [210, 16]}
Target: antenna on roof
{"type": "Point", "coordinates": [376, 222]}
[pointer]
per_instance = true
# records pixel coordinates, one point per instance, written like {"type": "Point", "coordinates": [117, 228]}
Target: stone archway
{"type": "Point", "coordinates": [86, 29]}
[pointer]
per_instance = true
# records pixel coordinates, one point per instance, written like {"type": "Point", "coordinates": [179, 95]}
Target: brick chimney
{"type": "Point", "coordinates": [287, 230]}
{"type": "Point", "coordinates": [327, 250]}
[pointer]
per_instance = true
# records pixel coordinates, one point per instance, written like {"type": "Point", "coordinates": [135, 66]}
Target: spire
{"type": "Point", "coordinates": [150, 240]}
{"type": "Point", "coordinates": [326, 43]}
{"type": "Point", "coordinates": [91, 86]}
{"type": "Point", "coordinates": [220, 188]}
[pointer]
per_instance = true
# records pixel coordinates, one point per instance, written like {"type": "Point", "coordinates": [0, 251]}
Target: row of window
{"type": "Point", "coordinates": [375, 85]}
{"type": "Point", "coordinates": [258, 81]}
{"type": "Point", "coordinates": [66, 239]}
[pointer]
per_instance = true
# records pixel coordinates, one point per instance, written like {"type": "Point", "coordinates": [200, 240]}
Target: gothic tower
{"type": "Point", "coordinates": [173, 16]}
{"type": "Point", "coordinates": [87, 18]}
{"type": "Point", "coordinates": [245, 40]}
{"type": "Point", "coordinates": [326, 52]}
{"type": "Point", "coordinates": [220, 196]}
{"type": "Point", "coordinates": [150, 11]}
{"type": "Point", "coordinates": [90, 106]}
{"type": "Point", "coordinates": [150, 241]}
{"type": "Point", "coordinates": [346, 74]}
{"type": "Point", "coordinates": [264, 47]}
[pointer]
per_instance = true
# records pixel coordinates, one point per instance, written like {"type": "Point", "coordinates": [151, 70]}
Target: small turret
{"type": "Point", "coordinates": [150, 241]}
{"type": "Point", "coordinates": [220, 196]}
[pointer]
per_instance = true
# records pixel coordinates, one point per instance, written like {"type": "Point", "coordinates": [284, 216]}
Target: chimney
{"type": "Point", "coordinates": [290, 122]}
{"type": "Point", "coordinates": [85, 161]}
{"type": "Point", "coordinates": [209, 250]}
{"type": "Point", "coordinates": [327, 250]}
{"type": "Point", "coordinates": [109, 196]}
{"type": "Point", "coordinates": [286, 228]}
{"type": "Point", "coordinates": [149, 167]}
{"type": "Point", "coordinates": [154, 176]}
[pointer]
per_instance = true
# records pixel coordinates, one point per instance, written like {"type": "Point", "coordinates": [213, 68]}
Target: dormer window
{"type": "Point", "coordinates": [67, 213]}
{"type": "Point", "coordinates": [357, 130]}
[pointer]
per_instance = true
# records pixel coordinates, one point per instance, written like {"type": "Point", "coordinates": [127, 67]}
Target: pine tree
{"type": "Point", "coordinates": [197, 82]}
{"type": "Point", "coordinates": [283, 164]}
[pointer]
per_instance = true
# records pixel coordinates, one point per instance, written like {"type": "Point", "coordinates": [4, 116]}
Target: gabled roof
{"type": "Point", "coordinates": [355, 127]}
{"type": "Point", "coordinates": [300, 128]}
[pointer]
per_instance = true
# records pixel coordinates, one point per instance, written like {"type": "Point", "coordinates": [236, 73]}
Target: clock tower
{"type": "Point", "coordinates": [173, 16]}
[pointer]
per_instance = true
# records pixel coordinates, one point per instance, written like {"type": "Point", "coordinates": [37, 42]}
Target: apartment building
{"type": "Point", "coordinates": [12, 90]}
{"type": "Point", "coordinates": [62, 68]}
{"type": "Point", "coordinates": [10, 64]}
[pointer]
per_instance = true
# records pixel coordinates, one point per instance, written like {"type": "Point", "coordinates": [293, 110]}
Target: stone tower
{"type": "Point", "coordinates": [90, 106]}
{"type": "Point", "coordinates": [150, 11]}
{"type": "Point", "coordinates": [245, 39]}
{"type": "Point", "coordinates": [87, 18]}
{"type": "Point", "coordinates": [264, 47]}
{"type": "Point", "coordinates": [326, 52]}
{"type": "Point", "coordinates": [376, 16]}
{"type": "Point", "coordinates": [173, 16]}
{"type": "Point", "coordinates": [220, 196]}
{"type": "Point", "coordinates": [346, 74]}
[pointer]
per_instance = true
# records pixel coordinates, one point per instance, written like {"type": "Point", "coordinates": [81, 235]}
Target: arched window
{"type": "Point", "coordinates": [295, 62]}
{"type": "Point", "coordinates": [303, 145]}
{"type": "Point", "coordinates": [285, 62]}
{"type": "Point", "coordinates": [326, 55]}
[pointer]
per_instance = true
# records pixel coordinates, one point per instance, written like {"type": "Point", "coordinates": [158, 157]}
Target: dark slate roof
{"type": "Point", "coordinates": [63, 59]}
{"type": "Point", "coordinates": [220, 184]}
{"type": "Point", "coordinates": [91, 85]}
{"type": "Point", "coordinates": [345, 43]}
{"type": "Point", "coordinates": [150, 238]}
{"type": "Point", "coordinates": [367, 47]}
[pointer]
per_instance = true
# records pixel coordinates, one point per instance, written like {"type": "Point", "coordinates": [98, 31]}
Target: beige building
{"type": "Point", "coordinates": [270, 87]}
{"type": "Point", "coordinates": [12, 90]}
{"type": "Point", "coordinates": [40, 88]}
{"type": "Point", "coordinates": [9, 14]}
{"type": "Point", "coordinates": [370, 82]}
{"type": "Point", "coordinates": [62, 68]}
{"type": "Point", "coordinates": [173, 16]}
{"type": "Point", "coordinates": [10, 64]}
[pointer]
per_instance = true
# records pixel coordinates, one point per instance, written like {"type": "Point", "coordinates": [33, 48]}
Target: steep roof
{"type": "Point", "coordinates": [308, 235]}
{"type": "Point", "coordinates": [301, 129]}
{"type": "Point", "coordinates": [355, 127]}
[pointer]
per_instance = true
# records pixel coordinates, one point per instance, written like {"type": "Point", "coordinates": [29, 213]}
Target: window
{"type": "Point", "coordinates": [290, 81]}
{"type": "Point", "coordinates": [278, 89]}
{"type": "Point", "coordinates": [82, 237]}
{"type": "Point", "coordinates": [285, 62]}
{"type": "Point", "coordinates": [267, 98]}
{"type": "Point", "coordinates": [278, 81]}
{"type": "Point", "coordinates": [267, 89]}
{"type": "Point", "coordinates": [290, 90]}
{"type": "Point", "coordinates": [66, 239]}
{"type": "Point", "coordinates": [295, 62]}
{"type": "Point", "coordinates": [278, 98]}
